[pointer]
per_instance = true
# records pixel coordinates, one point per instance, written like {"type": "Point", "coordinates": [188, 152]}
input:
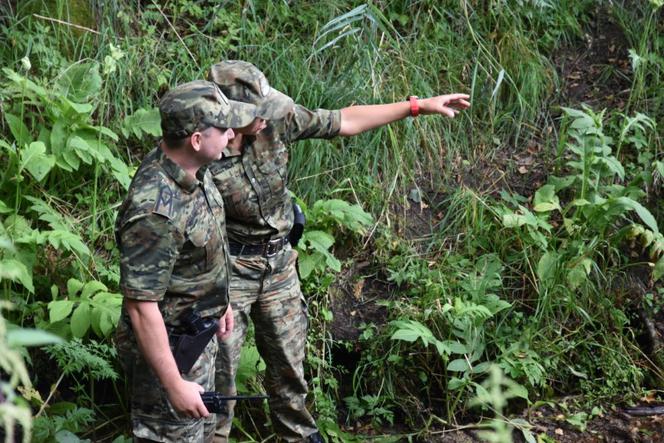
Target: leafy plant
{"type": "Point", "coordinates": [325, 217]}
{"type": "Point", "coordinates": [87, 305]}
{"type": "Point", "coordinates": [13, 340]}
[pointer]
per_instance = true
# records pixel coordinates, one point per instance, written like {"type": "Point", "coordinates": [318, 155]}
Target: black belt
{"type": "Point", "coordinates": [267, 249]}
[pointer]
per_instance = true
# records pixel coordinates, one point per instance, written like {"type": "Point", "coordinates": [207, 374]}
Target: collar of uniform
{"type": "Point", "coordinates": [179, 175]}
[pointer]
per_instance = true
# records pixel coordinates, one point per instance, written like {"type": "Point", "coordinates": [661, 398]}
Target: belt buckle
{"type": "Point", "coordinates": [272, 247]}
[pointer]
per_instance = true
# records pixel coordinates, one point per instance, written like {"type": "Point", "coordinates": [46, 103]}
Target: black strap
{"type": "Point", "coordinates": [267, 249]}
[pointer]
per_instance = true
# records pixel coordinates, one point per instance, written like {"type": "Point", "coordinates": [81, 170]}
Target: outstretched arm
{"type": "Point", "coordinates": [357, 119]}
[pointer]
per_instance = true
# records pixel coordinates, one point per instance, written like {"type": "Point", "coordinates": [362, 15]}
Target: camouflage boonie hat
{"type": "Point", "coordinates": [186, 107]}
{"type": "Point", "coordinates": [244, 81]}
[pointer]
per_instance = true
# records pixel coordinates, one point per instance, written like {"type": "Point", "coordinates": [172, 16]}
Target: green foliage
{"type": "Point", "coordinates": [325, 217]}
{"type": "Point", "coordinates": [91, 359]}
{"type": "Point", "coordinates": [13, 340]}
{"type": "Point", "coordinates": [87, 305]}
{"type": "Point", "coordinates": [67, 421]}
{"type": "Point", "coordinates": [494, 393]}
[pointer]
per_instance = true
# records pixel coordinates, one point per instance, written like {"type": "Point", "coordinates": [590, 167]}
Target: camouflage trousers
{"type": "Point", "coordinates": [152, 416]}
{"type": "Point", "coordinates": [267, 290]}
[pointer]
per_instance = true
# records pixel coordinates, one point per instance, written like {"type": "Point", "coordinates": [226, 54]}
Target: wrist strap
{"type": "Point", "coordinates": [414, 106]}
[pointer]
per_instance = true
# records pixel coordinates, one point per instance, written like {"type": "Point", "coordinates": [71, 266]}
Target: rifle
{"type": "Point", "coordinates": [215, 402]}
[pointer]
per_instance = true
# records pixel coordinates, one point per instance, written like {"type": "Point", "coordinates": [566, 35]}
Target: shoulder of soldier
{"type": "Point", "coordinates": [152, 191]}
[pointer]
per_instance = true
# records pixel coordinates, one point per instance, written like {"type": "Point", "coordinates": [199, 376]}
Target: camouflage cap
{"type": "Point", "coordinates": [245, 82]}
{"type": "Point", "coordinates": [186, 107]}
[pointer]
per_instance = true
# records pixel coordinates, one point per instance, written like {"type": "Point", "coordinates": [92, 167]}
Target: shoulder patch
{"type": "Point", "coordinates": [164, 203]}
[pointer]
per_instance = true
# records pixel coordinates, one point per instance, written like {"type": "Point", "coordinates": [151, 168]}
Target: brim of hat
{"type": "Point", "coordinates": [240, 115]}
{"type": "Point", "coordinates": [275, 105]}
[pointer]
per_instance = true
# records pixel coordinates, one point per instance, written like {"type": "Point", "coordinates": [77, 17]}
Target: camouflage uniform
{"type": "Point", "coordinates": [173, 250]}
{"type": "Point", "coordinates": [265, 287]}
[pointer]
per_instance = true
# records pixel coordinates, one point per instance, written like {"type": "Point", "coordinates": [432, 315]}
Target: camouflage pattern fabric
{"type": "Point", "coordinates": [248, 84]}
{"type": "Point", "coordinates": [254, 184]}
{"type": "Point", "coordinates": [152, 416]}
{"type": "Point", "coordinates": [258, 207]}
{"type": "Point", "coordinates": [267, 290]}
{"type": "Point", "coordinates": [173, 250]}
{"type": "Point", "coordinates": [172, 242]}
{"type": "Point", "coordinates": [185, 108]}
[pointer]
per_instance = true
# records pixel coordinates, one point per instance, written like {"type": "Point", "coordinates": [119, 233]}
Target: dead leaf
{"type": "Point", "coordinates": [523, 170]}
{"type": "Point", "coordinates": [559, 431]}
{"type": "Point", "coordinates": [357, 289]}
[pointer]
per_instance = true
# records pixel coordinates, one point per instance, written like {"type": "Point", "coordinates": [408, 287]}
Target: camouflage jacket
{"type": "Point", "coordinates": [171, 237]}
{"type": "Point", "coordinates": [254, 183]}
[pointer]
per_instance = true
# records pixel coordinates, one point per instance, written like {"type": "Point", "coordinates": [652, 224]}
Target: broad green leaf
{"type": "Point", "coordinates": [59, 136]}
{"type": "Point", "coordinates": [92, 287]}
{"type": "Point", "coordinates": [546, 199]}
{"type": "Point", "coordinates": [658, 270]}
{"type": "Point", "coordinates": [481, 368]}
{"type": "Point", "coordinates": [80, 320]}
{"type": "Point", "coordinates": [35, 160]}
{"type": "Point", "coordinates": [306, 264]}
{"type": "Point", "coordinates": [80, 82]}
{"type": "Point", "coordinates": [83, 109]}
{"type": "Point", "coordinates": [641, 211]}
{"type": "Point", "coordinates": [81, 147]}
{"type": "Point", "coordinates": [71, 160]}
{"type": "Point", "coordinates": [25, 83]}
{"type": "Point", "coordinates": [614, 166]}
{"type": "Point", "coordinates": [30, 337]}
{"type": "Point", "coordinates": [120, 172]}
{"type": "Point", "coordinates": [331, 261]}
{"type": "Point", "coordinates": [18, 129]}
{"type": "Point", "coordinates": [4, 209]}
{"type": "Point", "coordinates": [59, 310]}
{"type": "Point", "coordinates": [318, 240]}
{"type": "Point", "coordinates": [458, 365]}
{"type": "Point", "coordinates": [546, 268]}
{"type": "Point", "coordinates": [106, 309]}
{"type": "Point", "coordinates": [251, 364]}
{"type": "Point", "coordinates": [14, 270]}
{"type": "Point", "coordinates": [143, 121]}
{"type": "Point", "coordinates": [73, 286]}
{"type": "Point", "coordinates": [455, 347]}
{"type": "Point", "coordinates": [578, 274]}
{"type": "Point", "coordinates": [65, 436]}
{"type": "Point", "coordinates": [455, 383]}
{"type": "Point", "coordinates": [406, 335]}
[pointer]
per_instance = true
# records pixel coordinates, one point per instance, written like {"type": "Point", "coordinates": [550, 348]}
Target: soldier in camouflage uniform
{"type": "Point", "coordinates": [259, 214]}
{"type": "Point", "coordinates": [174, 256]}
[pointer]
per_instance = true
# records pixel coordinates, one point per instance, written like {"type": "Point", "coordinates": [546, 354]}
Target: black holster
{"type": "Point", "coordinates": [299, 220]}
{"type": "Point", "coordinates": [190, 340]}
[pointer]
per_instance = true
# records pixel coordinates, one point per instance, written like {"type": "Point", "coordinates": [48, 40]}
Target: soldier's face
{"type": "Point", "coordinates": [254, 127]}
{"type": "Point", "coordinates": [213, 141]}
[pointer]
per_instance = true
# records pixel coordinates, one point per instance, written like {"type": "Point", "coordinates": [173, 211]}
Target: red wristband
{"type": "Point", "coordinates": [414, 106]}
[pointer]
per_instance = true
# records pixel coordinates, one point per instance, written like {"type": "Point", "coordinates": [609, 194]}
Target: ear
{"type": "Point", "coordinates": [196, 141]}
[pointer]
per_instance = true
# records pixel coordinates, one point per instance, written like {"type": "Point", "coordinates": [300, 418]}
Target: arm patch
{"type": "Point", "coordinates": [165, 201]}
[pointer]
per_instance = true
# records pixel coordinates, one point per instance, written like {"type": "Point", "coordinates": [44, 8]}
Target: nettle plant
{"type": "Point", "coordinates": [585, 232]}
{"type": "Point", "coordinates": [324, 218]}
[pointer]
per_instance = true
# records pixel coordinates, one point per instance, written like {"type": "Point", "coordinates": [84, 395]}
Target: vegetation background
{"type": "Point", "coordinates": [458, 271]}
